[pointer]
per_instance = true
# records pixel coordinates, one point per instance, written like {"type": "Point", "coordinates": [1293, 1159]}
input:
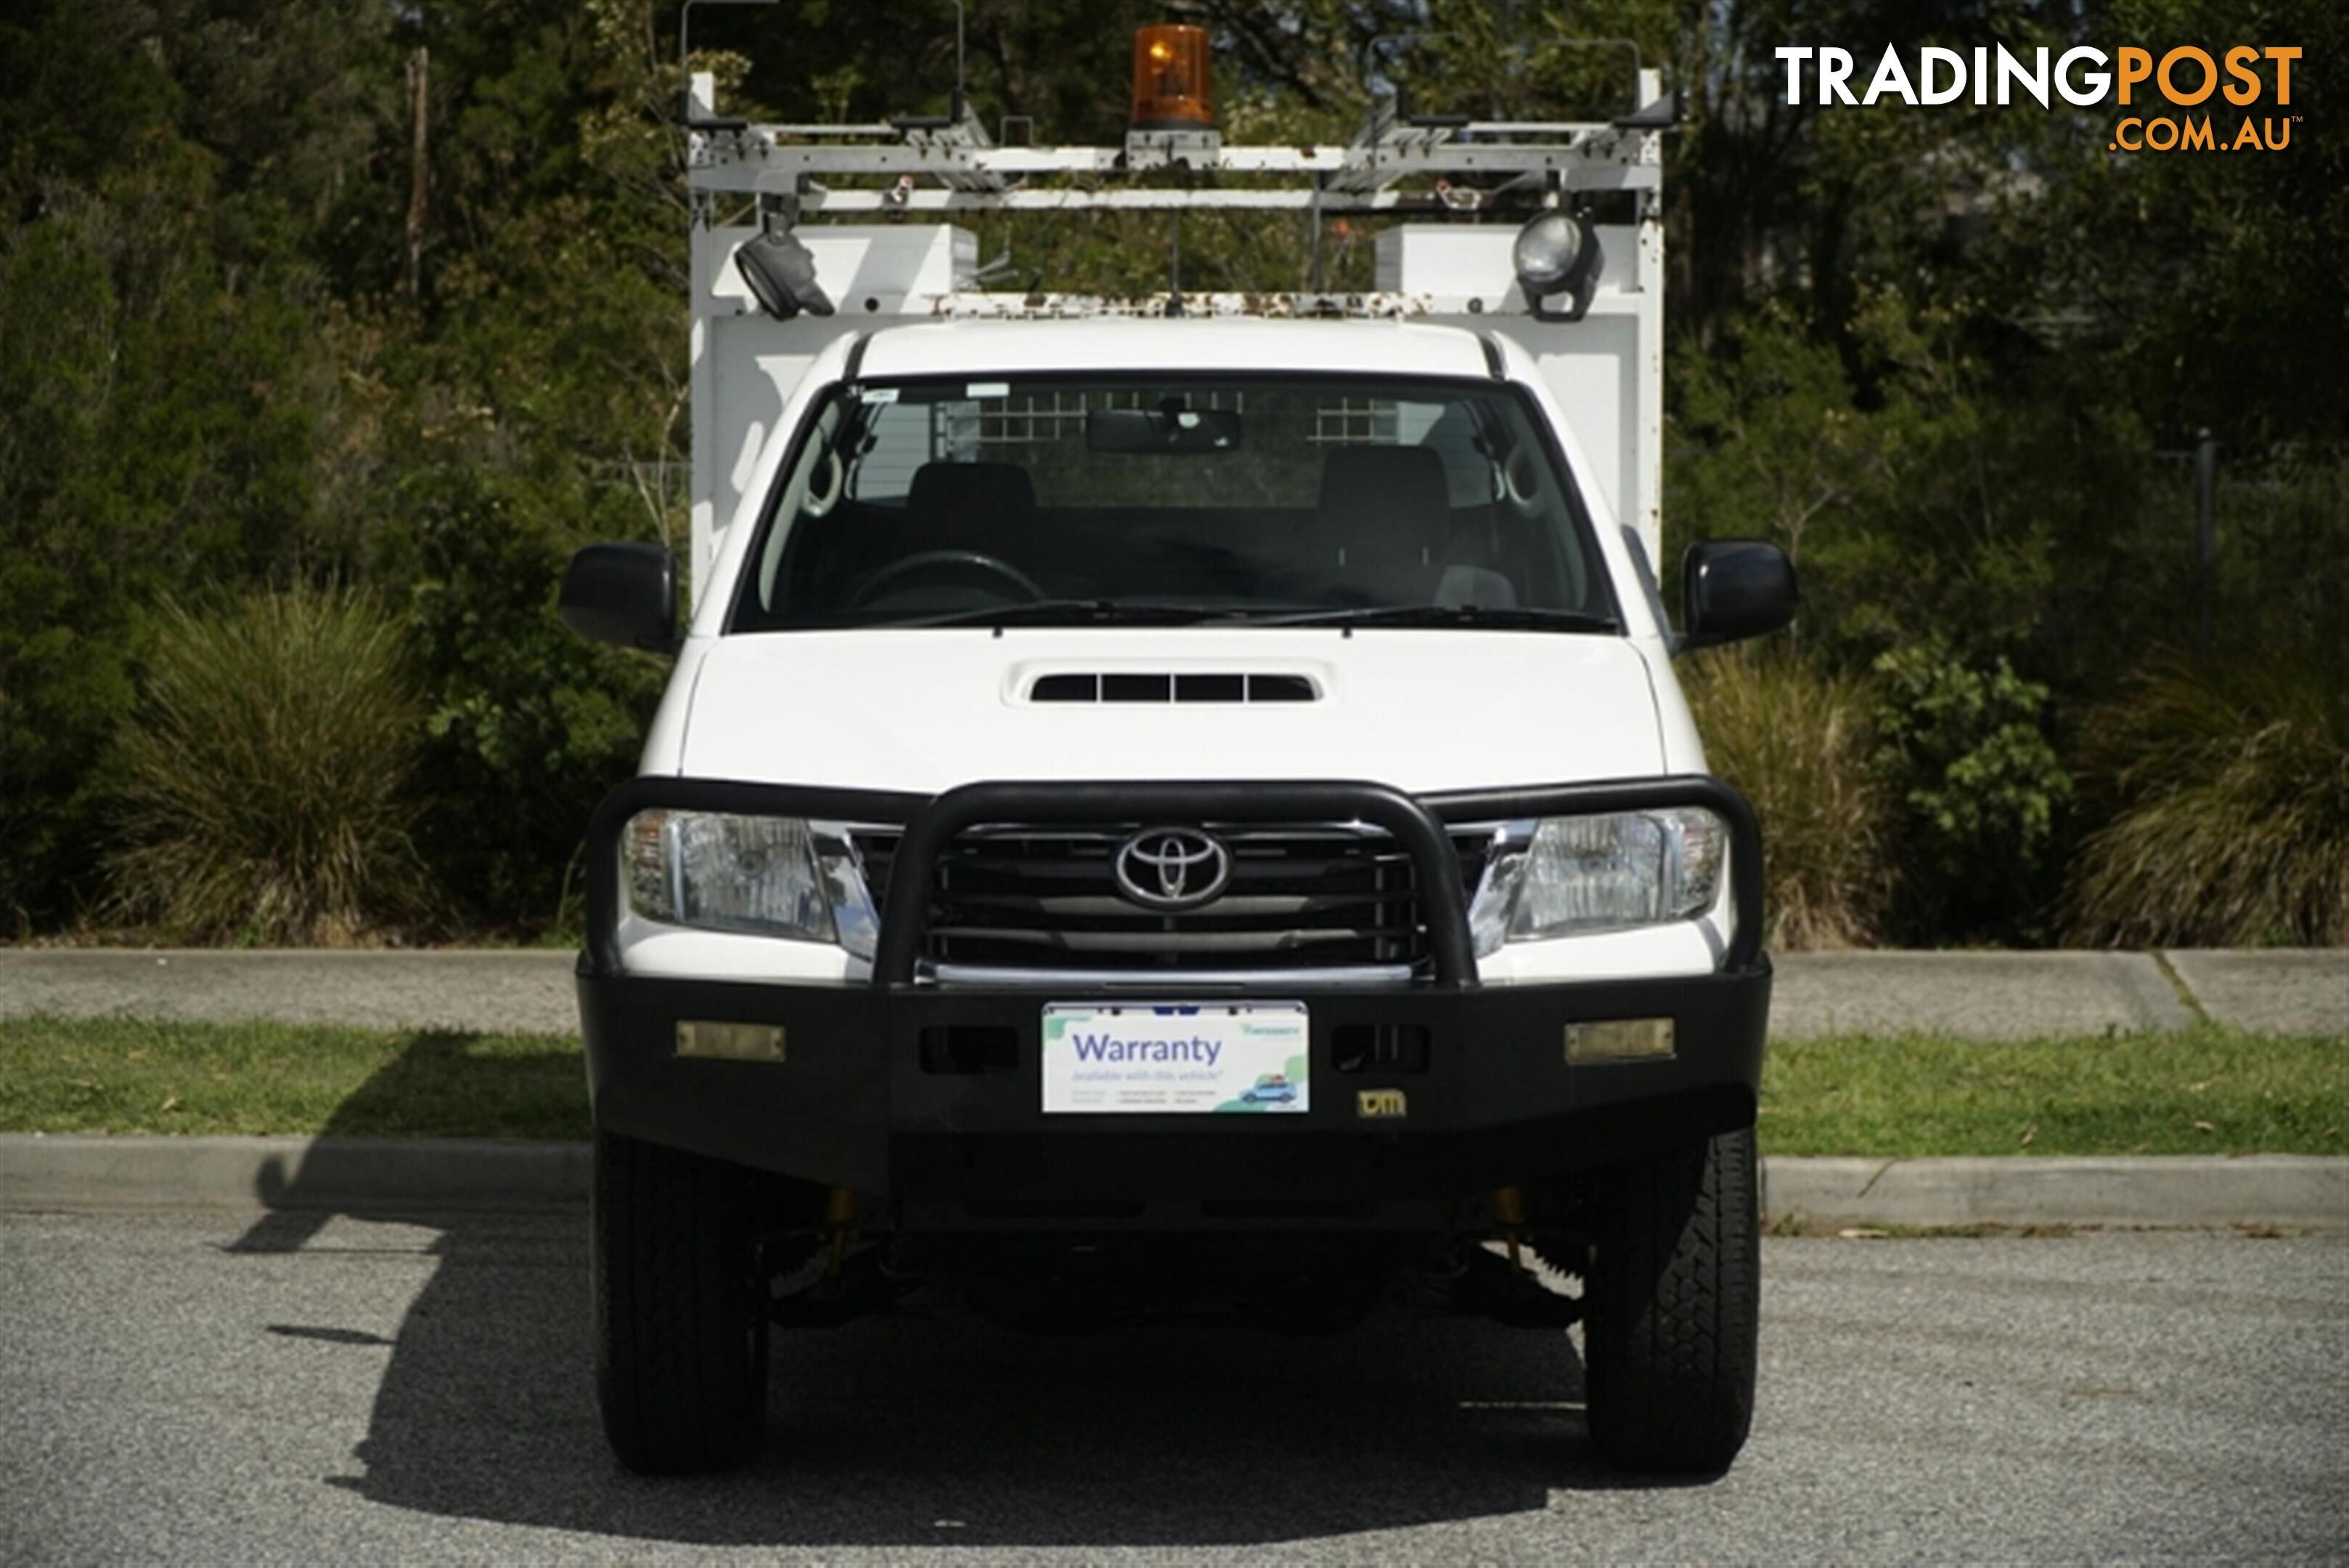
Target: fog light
{"type": "Point", "coordinates": [730, 1041]}
{"type": "Point", "coordinates": [1619, 1040]}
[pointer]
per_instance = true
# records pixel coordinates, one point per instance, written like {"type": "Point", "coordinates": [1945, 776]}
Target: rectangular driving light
{"type": "Point", "coordinates": [1619, 1040]}
{"type": "Point", "coordinates": [729, 1042]}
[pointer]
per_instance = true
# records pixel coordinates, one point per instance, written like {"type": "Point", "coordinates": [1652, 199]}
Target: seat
{"type": "Point", "coordinates": [969, 505]}
{"type": "Point", "coordinates": [985, 508]}
{"type": "Point", "coordinates": [1385, 518]}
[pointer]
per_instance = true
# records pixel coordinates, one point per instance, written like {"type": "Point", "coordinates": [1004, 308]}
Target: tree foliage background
{"type": "Point", "coordinates": [256, 331]}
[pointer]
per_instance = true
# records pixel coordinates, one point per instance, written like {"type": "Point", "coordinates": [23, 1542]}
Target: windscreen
{"type": "Point", "coordinates": [1173, 499]}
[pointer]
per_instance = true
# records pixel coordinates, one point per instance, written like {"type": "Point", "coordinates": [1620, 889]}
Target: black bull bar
{"type": "Point", "coordinates": [1419, 824]}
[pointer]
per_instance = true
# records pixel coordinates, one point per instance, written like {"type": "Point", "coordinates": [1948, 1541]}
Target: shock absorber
{"type": "Point", "coordinates": [1509, 1212]}
{"type": "Point", "coordinates": [840, 1214]}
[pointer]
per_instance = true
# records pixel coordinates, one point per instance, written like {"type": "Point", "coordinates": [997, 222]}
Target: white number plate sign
{"type": "Point", "coordinates": [1210, 1056]}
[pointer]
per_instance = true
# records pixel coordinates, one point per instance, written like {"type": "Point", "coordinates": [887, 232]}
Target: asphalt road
{"type": "Point", "coordinates": [198, 1388]}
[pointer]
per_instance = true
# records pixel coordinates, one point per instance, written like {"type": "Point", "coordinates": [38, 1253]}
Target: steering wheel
{"type": "Point", "coordinates": [941, 563]}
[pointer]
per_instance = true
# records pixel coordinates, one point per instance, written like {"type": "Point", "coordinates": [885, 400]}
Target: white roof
{"type": "Point", "coordinates": [1376, 347]}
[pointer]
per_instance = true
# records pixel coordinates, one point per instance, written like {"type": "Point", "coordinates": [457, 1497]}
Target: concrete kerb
{"type": "Point", "coordinates": [473, 989]}
{"type": "Point", "coordinates": [421, 1177]}
{"type": "Point", "coordinates": [2290, 1192]}
{"type": "Point", "coordinates": [1980, 995]}
{"type": "Point", "coordinates": [2300, 991]}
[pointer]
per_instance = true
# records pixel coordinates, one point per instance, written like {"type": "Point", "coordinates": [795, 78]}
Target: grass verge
{"type": "Point", "coordinates": [2206, 1090]}
{"type": "Point", "coordinates": [129, 1075]}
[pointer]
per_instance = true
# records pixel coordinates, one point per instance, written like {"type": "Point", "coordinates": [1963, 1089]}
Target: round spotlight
{"type": "Point", "coordinates": [1556, 252]}
{"type": "Point", "coordinates": [1546, 249]}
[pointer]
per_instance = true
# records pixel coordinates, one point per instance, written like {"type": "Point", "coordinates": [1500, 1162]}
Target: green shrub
{"type": "Point", "coordinates": [154, 438]}
{"type": "Point", "coordinates": [1975, 788]}
{"type": "Point", "coordinates": [2228, 793]}
{"type": "Point", "coordinates": [1796, 740]}
{"type": "Point", "coordinates": [263, 779]}
{"type": "Point", "coordinates": [528, 726]}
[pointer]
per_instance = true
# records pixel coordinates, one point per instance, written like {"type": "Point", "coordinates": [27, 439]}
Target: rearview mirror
{"type": "Point", "coordinates": [1732, 589]}
{"type": "Point", "coordinates": [625, 595]}
{"type": "Point", "coordinates": [1163, 429]}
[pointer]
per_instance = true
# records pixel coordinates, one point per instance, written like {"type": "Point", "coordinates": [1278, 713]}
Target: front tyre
{"type": "Point", "coordinates": [1674, 1307]}
{"type": "Point", "coordinates": [680, 1335]}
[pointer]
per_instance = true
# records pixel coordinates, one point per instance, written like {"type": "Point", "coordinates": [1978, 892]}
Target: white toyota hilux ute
{"type": "Point", "coordinates": [1173, 806]}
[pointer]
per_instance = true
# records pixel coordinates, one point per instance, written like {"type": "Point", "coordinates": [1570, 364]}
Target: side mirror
{"type": "Point", "coordinates": [1732, 589]}
{"type": "Point", "coordinates": [625, 595]}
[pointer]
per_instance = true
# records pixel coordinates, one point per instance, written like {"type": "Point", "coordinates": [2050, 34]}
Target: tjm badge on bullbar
{"type": "Point", "coordinates": [1162, 1057]}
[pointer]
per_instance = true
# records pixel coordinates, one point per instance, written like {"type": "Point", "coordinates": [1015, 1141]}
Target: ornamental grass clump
{"type": "Point", "coordinates": [1796, 740]}
{"type": "Point", "coordinates": [263, 783]}
{"type": "Point", "coordinates": [2226, 790]}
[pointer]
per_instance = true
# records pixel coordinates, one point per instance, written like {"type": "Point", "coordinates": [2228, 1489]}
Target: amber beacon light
{"type": "Point", "coordinates": [1170, 79]}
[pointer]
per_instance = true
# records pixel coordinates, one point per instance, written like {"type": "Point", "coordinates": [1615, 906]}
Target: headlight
{"type": "Point", "coordinates": [772, 875]}
{"type": "Point", "coordinates": [1565, 875]}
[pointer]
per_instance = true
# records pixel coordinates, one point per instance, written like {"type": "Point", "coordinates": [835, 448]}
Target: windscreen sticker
{"type": "Point", "coordinates": [880, 395]}
{"type": "Point", "coordinates": [988, 389]}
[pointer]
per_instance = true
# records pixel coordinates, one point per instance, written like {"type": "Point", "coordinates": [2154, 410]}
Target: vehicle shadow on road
{"type": "Point", "coordinates": [932, 1426]}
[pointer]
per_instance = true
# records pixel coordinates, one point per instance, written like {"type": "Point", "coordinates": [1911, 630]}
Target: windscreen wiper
{"type": "Point", "coordinates": [1515, 618]}
{"type": "Point", "coordinates": [1068, 612]}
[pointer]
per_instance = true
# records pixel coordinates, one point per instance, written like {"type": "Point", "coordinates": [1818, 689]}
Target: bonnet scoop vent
{"type": "Point", "coordinates": [1125, 686]}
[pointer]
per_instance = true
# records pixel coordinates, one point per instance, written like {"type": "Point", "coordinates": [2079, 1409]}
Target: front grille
{"type": "Point", "coordinates": [1306, 896]}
